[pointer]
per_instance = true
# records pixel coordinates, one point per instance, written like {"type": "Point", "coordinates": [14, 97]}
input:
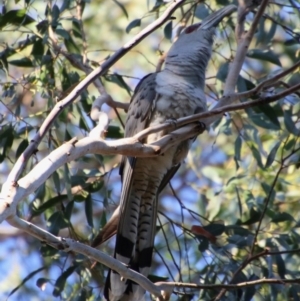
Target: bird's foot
{"type": "Point", "coordinates": [173, 122]}
{"type": "Point", "coordinates": [202, 126]}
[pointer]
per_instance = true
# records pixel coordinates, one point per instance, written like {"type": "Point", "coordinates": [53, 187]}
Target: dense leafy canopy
{"type": "Point", "coordinates": [232, 212]}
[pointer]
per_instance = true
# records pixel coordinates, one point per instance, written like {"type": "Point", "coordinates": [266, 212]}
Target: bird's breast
{"type": "Point", "coordinates": [177, 97]}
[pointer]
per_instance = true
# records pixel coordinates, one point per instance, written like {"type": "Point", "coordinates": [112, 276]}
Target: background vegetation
{"type": "Point", "coordinates": [231, 214]}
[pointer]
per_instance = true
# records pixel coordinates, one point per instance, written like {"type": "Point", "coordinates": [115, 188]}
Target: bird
{"type": "Point", "coordinates": [174, 92]}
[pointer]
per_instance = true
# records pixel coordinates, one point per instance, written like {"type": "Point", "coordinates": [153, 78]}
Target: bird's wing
{"type": "Point", "coordinates": [141, 104]}
{"type": "Point", "coordinates": [138, 117]}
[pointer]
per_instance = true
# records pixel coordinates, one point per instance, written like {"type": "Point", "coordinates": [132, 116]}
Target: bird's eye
{"type": "Point", "coordinates": [192, 28]}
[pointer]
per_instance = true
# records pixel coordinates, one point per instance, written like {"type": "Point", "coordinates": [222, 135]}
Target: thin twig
{"type": "Point", "coordinates": [266, 203]}
{"type": "Point", "coordinates": [168, 246]}
{"type": "Point", "coordinates": [267, 83]}
{"type": "Point", "coordinates": [229, 286]}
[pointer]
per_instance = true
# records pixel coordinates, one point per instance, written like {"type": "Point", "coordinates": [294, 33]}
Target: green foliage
{"type": "Point", "coordinates": [168, 30]}
{"type": "Point", "coordinates": [133, 24]}
{"type": "Point", "coordinates": [16, 17]}
{"type": "Point", "coordinates": [61, 280]}
{"type": "Point", "coordinates": [268, 56]}
{"type": "Point", "coordinates": [240, 181]}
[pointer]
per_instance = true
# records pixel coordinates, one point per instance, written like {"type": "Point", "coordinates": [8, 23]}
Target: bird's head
{"type": "Point", "coordinates": [194, 45]}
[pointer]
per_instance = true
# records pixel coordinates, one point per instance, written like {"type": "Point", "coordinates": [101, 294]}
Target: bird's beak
{"type": "Point", "coordinates": [215, 18]}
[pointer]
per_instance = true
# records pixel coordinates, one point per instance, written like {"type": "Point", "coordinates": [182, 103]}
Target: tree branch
{"type": "Point", "coordinates": [164, 285]}
{"type": "Point", "coordinates": [244, 40]}
{"type": "Point", "coordinates": [269, 82]}
{"type": "Point", "coordinates": [11, 195]}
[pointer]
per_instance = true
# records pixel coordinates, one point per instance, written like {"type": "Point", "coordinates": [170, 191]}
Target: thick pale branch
{"type": "Point", "coordinates": [11, 195]}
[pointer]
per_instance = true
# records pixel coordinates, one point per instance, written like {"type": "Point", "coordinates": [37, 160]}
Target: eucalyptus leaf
{"type": "Point", "coordinates": [168, 30]}
{"type": "Point", "coordinates": [251, 290]}
{"type": "Point", "coordinates": [264, 55]}
{"type": "Point", "coordinates": [215, 229]}
{"type": "Point", "coordinates": [156, 278]}
{"type": "Point", "coordinates": [122, 7]}
{"type": "Point", "coordinates": [257, 156]}
{"type": "Point", "coordinates": [23, 62]}
{"type": "Point", "coordinates": [21, 148]}
{"type": "Point", "coordinates": [17, 17]}
{"type": "Point", "coordinates": [76, 29]}
{"type": "Point", "coordinates": [272, 154]}
{"type": "Point", "coordinates": [222, 72]}
{"type": "Point", "coordinates": [291, 42]}
{"type": "Point", "coordinates": [119, 80]}
{"type": "Point", "coordinates": [61, 280]}
{"type": "Point", "coordinates": [72, 47]}
{"type": "Point", "coordinates": [254, 217]}
{"type": "Point", "coordinates": [271, 114]}
{"type": "Point", "coordinates": [269, 191]}
{"type": "Point", "coordinates": [67, 180]}
{"type": "Point", "coordinates": [49, 204]}
{"type": "Point", "coordinates": [237, 148]}
{"type": "Point", "coordinates": [282, 217]}
{"type": "Point", "coordinates": [56, 222]}
{"type": "Point", "coordinates": [280, 266]}
{"type": "Point", "coordinates": [289, 123]}
{"type": "Point", "coordinates": [89, 211]}
{"type": "Point", "coordinates": [133, 24]}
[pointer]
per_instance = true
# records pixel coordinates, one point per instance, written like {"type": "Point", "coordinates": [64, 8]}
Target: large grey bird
{"type": "Point", "coordinates": [174, 92]}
